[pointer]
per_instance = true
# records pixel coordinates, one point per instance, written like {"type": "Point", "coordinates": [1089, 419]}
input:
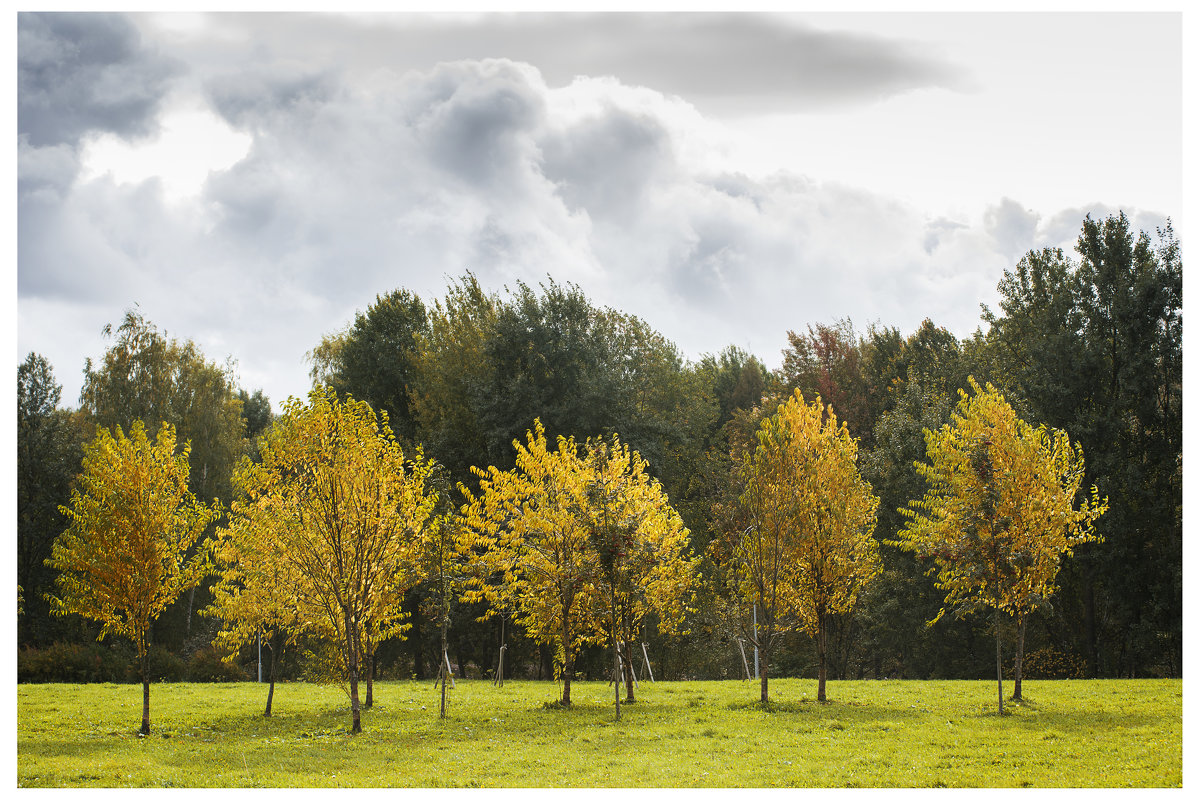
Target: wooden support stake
{"type": "Point", "coordinates": [647, 655]}
{"type": "Point", "coordinates": [745, 664]}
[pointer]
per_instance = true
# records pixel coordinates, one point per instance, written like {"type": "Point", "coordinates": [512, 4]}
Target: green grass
{"type": "Point", "coordinates": [709, 734]}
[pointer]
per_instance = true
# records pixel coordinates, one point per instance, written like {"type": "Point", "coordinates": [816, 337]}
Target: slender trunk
{"type": "Point", "coordinates": [442, 668]}
{"type": "Point", "coordinates": [763, 664]}
{"type": "Point", "coordinates": [1017, 661]}
{"type": "Point", "coordinates": [822, 653]}
{"type": "Point", "coordinates": [145, 691]}
{"type": "Point", "coordinates": [999, 670]}
{"type": "Point", "coordinates": [191, 605]}
{"type": "Point", "coordinates": [764, 659]}
{"type": "Point", "coordinates": [568, 661]}
{"type": "Point", "coordinates": [616, 673]}
{"type": "Point", "coordinates": [500, 667]}
{"type": "Point", "coordinates": [352, 644]}
{"type": "Point", "coordinates": [370, 679]}
{"type": "Point", "coordinates": [271, 690]}
{"type": "Point", "coordinates": [629, 673]}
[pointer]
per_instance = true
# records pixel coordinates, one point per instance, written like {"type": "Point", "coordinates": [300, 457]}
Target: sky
{"type": "Point", "coordinates": [251, 181]}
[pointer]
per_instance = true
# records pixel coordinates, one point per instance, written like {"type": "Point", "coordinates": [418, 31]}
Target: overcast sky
{"type": "Point", "coordinates": [250, 181]}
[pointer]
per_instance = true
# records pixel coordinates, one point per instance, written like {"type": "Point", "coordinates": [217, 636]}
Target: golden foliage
{"type": "Point", "coordinates": [557, 537]}
{"type": "Point", "coordinates": [328, 534]}
{"type": "Point", "coordinates": [809, 550]}
{"type": "Point", "coordinates": [129, 549]}
{"type": "Point", "coordinates": [1000, 510]}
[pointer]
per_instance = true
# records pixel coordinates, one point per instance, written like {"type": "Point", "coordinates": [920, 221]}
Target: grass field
{"type": "Point", "coordinates": [687, 734]}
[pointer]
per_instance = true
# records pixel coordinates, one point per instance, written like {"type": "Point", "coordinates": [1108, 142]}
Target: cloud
{"type": "Point", "coordinates": [723, 63]}
{"type": "Point", "coordinates": [353, 187]}
{"type": "Point", "coordinates": [1012, 227]}
{"type": "Point", "coordinates": [78, 73]}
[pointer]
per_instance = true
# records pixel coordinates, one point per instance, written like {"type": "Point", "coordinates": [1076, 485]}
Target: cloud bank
{"type": "Point", "coordinates": [358, 182]}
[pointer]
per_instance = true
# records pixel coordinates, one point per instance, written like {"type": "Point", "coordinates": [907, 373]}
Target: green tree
{"type": "Point", "coordinates": [1095, 347]}
{"type": "Point", "coordinates": [49, 451]}
{"type": "Point", "coordinates": [133, 523]}
{"type": "Point", "coordinates": [144, 375]}
{"type": "Point", "coordinates": [999, 512]}
{"type": "Point", "coordinates": [451, 370]}
{"type": "Point", "coordinates": [374, 359]}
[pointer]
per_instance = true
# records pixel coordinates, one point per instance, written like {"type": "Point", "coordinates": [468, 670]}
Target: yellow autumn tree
{"type": "Point", "coordinates": [343, 509]}
{"type": "Point", "coordinates": [809, 549]}
{"type": "Point", "coordinates": [131, 546]}
{"type": "Point", "coordinates": [532, 551]}
{"type": "Point", "coordinates": [999, 512]}
{"type": "Point", "coordinates": [256, 595]}
{"type": "Point", "coordinates": [642, 547]}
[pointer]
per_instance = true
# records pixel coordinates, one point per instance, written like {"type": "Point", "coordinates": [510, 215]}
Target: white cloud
{"type": "Point", "coordinates": [335, 183]}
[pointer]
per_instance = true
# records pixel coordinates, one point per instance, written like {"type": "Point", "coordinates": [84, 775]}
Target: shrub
{"type": "Point", "coordinates": [164, 666]}
{"type": "Point", "coordinates": [1048, 663]}
{"type": "Point", "coordinates": [64, 662]}
{"type": "Point", "coordinates": [207, 666]}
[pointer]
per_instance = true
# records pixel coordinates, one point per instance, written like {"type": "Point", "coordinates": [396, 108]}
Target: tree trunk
{"type": "Point", "coordinates": [370, 680]}
{"type": "Point", "coordinates": [568, 662]}
{"type": "Point", "coordinates": [763, 667]}
{"type": "Point", "coordinates": [616, 672]}
{"type": "Point", "coordinates": [999, 668]}
{"type": "Point", "coordinates": [822, 654]}
{"type": "Point", "coordinates": [1017, 661]}
{"type": "Point", "coordinates": [352, 644]}
{"type": "Point", "coordinates": [271, 690]}
{"type": "Point", "coordinates": [146, 692]}
{"type": "Point", "coordinates": [442, 668]}
{"type": "Point", "coordinates": [629, 673]}
{"type": "Point", "coordinates": [499, 680]}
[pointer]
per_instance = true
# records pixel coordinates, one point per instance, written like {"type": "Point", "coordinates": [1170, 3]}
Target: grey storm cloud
{"type": "Point", "coordinates": [79, 72]}
{"type": "Point", "coordinates": [723, 63]}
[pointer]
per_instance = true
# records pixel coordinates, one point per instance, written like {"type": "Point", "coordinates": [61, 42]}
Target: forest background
{"type": "Point", "coordinates": [1089, 342]}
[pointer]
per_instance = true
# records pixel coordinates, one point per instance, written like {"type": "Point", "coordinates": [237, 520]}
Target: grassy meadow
{"type": "Point", "coordinates": [682, 734]}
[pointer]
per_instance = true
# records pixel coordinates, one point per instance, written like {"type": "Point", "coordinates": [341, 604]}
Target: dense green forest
{"type": "Point", "coordinates": [1090, 343]}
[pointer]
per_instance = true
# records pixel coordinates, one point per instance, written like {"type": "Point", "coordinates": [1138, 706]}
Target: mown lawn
{"type": "Point", "coordinates": [704, 733]}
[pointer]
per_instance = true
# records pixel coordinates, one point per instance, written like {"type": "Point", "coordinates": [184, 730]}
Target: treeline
{"type": "Point", "coordinates": [1090, 344]}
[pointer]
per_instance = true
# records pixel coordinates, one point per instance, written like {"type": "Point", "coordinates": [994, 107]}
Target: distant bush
{"type": "Point", "coordinates": [1048, 663]}
{"type": "Point", "coordinates": [164, 666]}
{"type": "Point", "coordinates": [96, 662]}
{"type": "Point", "coordinates": [72, 663]}
{"type": "Point", "coordinates": [207, 666]}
